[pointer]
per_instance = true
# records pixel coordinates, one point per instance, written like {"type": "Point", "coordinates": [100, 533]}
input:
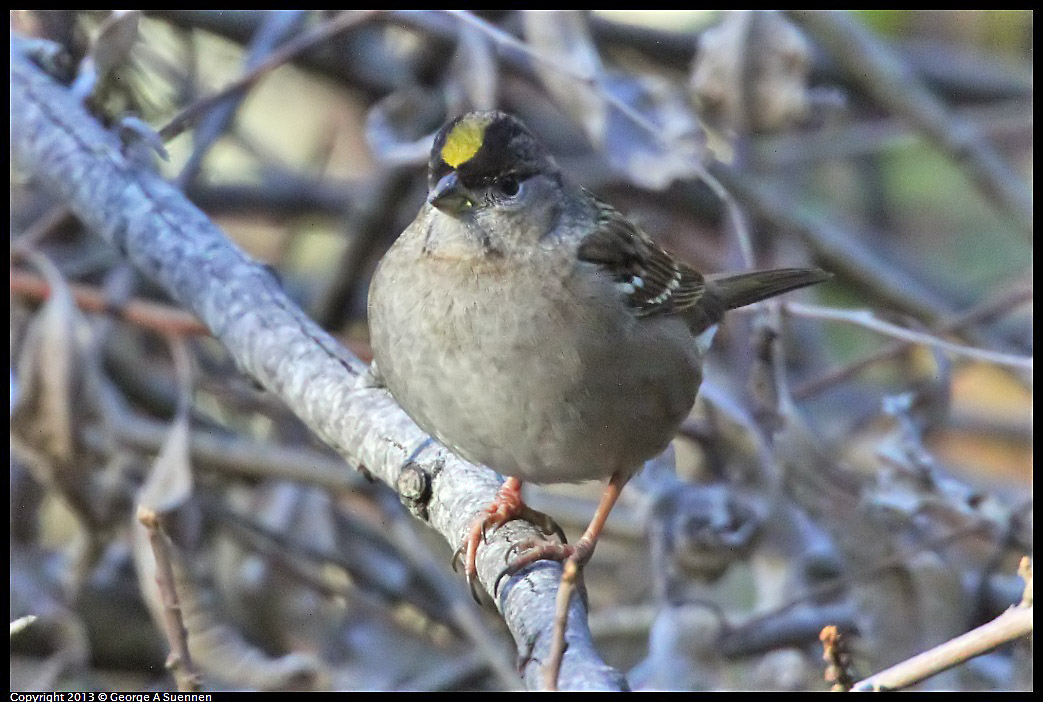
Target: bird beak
{"type": "Point", "coordinates": [450, 196]}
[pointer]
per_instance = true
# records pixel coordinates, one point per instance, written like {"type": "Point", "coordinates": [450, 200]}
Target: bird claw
{"type": "Point", "coordinates": [525, 553]}
{"type": "Point", "coordinates": [505, 573]}
{"type": "Point", "coordinates": [458, 560]}
{"type": "Point", "coordinates": [544, 522]}
{"type": "Point", "coordinates": [473, 586]}
{"type": "Point", "coordinates": [504, 508]}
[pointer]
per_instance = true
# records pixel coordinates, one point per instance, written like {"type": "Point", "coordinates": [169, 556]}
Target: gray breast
{"type": "Point", "coordinates": [545, 382]}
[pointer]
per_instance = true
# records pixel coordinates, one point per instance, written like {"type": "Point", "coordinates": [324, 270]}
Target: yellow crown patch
{"type": "Point", "coordinates": [463, 142]}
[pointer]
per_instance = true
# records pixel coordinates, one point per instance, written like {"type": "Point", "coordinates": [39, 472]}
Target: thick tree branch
{"type": "Point", "coordinates": [174, 243]}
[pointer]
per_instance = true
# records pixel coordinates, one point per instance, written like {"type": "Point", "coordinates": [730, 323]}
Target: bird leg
{"type": "Point", "coordinates": [507, 505]}
{"type": "Point", "coordinates": [573, 559]}
{"type": "Point", "coordinates": [537, 550]}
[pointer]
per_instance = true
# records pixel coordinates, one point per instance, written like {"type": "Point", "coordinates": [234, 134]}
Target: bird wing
{"type": "Point", "coordinates": [652, 280]}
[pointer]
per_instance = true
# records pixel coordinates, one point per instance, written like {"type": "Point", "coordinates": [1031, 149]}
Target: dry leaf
{"type": "Point", "coordinates": [642, 124]}
{"type": "Point", "coordinates": [169, 485]}
{"type": "Point", "coordinates": [751, 73]}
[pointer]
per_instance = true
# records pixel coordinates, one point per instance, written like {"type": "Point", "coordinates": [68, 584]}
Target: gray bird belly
{"type": "Point", "coordinates": [507, 382]}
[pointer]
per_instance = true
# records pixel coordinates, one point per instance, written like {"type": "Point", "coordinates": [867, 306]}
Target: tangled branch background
{"type": "Point", "coordinates": [859, 457]}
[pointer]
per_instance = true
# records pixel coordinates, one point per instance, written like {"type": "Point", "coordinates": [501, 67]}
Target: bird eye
{"type": "Point", "coordinates": [509, 186]}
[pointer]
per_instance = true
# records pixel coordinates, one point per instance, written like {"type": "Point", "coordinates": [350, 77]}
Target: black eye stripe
{"type": "Point", "coordinates": [475, 181]}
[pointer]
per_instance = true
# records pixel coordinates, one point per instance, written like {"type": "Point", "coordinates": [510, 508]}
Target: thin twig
{"type": "Point", "coordinates": [146, 314]}
{"type": "Point", "coordinates": [343, 21]}
{"type": "Point", "coordinates": [868, 320]}
{"type": "Point", "coordinates": [1009, 626]}
{"type": "Point", "coordinates": [180, 660]}
{"type": "Point", "coordinates": [272, 31]}
{"type": "Point", "coordinates": [986, 310]}
{"type": "Point", "coordinates": [156, 316]}
{"type": "Point", "coordinates": [552, 669]}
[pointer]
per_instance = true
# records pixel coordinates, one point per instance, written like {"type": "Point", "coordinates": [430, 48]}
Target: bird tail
{"type": "Point", "coordinates": [741, 289]}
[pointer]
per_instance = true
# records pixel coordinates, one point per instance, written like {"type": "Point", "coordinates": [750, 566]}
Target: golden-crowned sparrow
{"type": "Point", "coordinates": [529, 326]}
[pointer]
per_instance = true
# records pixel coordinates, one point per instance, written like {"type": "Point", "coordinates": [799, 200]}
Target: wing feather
{"type": "Point", "coordinates": [653, 281]}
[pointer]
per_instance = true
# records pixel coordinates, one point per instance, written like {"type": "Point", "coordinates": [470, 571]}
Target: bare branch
{"type": "Point", "coordinates": [1009, 626]}
{"type": "Point", "coordinates": [868, 320]}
